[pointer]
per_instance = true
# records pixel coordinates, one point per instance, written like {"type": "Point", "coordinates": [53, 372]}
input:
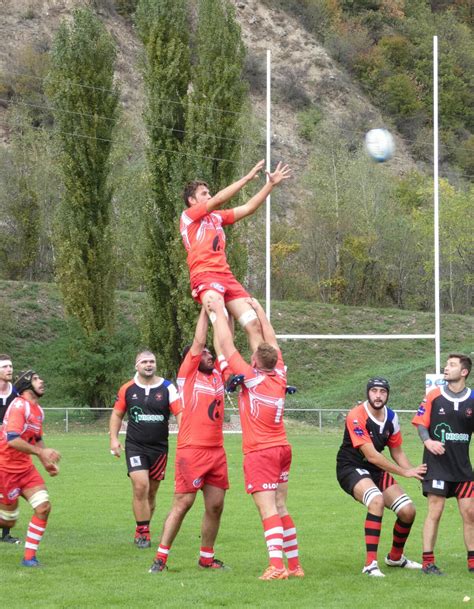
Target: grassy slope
{"type": "Point", "coordinates": [327, 373]}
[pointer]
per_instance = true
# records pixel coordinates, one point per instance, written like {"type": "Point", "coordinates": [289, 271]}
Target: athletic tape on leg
{"type": "Point", "coordinates": [370, 494]}
{"type": "Point", "coordinates": [247, 317]}
{"type": "Point", "coordinates": [38, 498]}
{"type": "Point", "coordinates": [9, 516]}
{"type": "Point", "coordinates": [400, 503]}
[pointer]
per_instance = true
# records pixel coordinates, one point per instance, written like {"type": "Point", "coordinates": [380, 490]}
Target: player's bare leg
{"type": "Point", "coordinates": [39, 500]}
{"type": "Point", "coordinates": [141, 486]}
{"type": "Point", "coordinates": [290, 541]}
{"type": "Point", "coordinates": [182, 503]}
{"type": "Point", "coordinates": [430, 532]}
{"type": "Point", "coordinates": [240, 309]}
{"type": "Point", "coordinates": [153, 489]}
{"type": "Point", "coordinates": [369, 495]}
{"type": "Point", "coordinates": [466, 509]}
{"type": "Point", "coordinates": [400, 503]}
{"type": "Point", "coordinates": [273, 531]}
{"type": "Point", "coordinates": [213, 507]}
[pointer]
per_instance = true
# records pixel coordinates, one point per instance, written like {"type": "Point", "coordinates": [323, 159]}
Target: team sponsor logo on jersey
{"type": "Point", "coordinates": [218, 287]}
{"type": "Point", "coordinates": [444, 433]}
{"type": "Point", "coordinates": [358, 430]}
{"type": "Point", "coordinates": [135, 461]}
{"type": "Point", "coordinates": [421, 409]}
{"type": "Point", "coordinates": [134, 396]}
{"type": "Point", "coordinates": [468, 412]}
{"type": "Point", "coordinates": [13, 494]}
{"type": "Point", "coordinates": [137, 416]}
{"type": "Point", "coordinates": [441, 411]}
{"type": "Point", "coordinates": [213, 411]}
{"type": "Point", "coordinates": [197, 482]}
{"type": "Point", "coordinates": [158, 396]}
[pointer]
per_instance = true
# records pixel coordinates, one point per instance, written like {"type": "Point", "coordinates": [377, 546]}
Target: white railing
{"type": "Point", "coordinates": [232, 425]}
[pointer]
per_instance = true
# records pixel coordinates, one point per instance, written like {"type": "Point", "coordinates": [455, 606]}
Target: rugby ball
{"type": "Point", "coordinates": [379, 145]}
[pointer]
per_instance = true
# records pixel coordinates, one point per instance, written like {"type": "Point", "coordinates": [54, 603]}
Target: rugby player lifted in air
{"type": "Point", "coordinates": [200, 462]}
{"type": "Point", "coordinates": [203, 236]}
{"type": "Point", "coordinates": [364, 473]}
{"type": "Point", "coordinates": [20, 437]}
{"type": "Point", "coordinates": [267, 453]}
{"type": "Point", "coordinates": [445, 421]}
{"type": "Point", "coordinates": [148, 400]}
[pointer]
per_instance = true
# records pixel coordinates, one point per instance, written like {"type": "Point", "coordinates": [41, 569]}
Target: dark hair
{"type": "Point", "coordinates": [190, 189]}
{"type": "Point", "coordinates": [466, 362]}
{"type": "Point", "coordinates": [5, 356]}
{"type": "Point", "coordinates": [185, 352]}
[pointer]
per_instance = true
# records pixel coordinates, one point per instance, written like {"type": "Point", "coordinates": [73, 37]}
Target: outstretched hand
{"type": "Point", "coordinates": [282, 172]}
{"type": "Point", "coordinates": [417, 472]}
{"type": "Point", "coordinates": [253, 173]}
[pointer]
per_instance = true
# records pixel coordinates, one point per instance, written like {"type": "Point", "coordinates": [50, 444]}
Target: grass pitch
{"type": "Point", "coordinates": [90, 561]}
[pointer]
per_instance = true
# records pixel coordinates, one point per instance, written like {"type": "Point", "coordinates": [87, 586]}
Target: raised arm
{"type": "Point", "coordinates": [228, 192]}
{"type": "Point", "coordinates": [282, 172]}
{"type": "Point", "coordinates": [221, 328]}
{"type": "Point", "coordinates": [268, 332]}
{"type": "Point", "coordinates": [200, 334]}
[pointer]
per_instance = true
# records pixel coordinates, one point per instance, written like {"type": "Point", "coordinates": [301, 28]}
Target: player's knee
{"type": "Point", "coordinates": [215, 509]}
{"type": "Point", "coordinates": [468, 515]}
{"type": "Point", "coordinates": [43, 510]}
{"type": "Point", "coordinates": [404, 508]}
{"type": "Point", "coordinates": [249, 321]}
{"type": "Point", "coordinates": [182, 505]}
{"type": "Point", "coordinates": [141, 489]}
{"type": "Point", "coordinates": [8, 519]}
{"type": "Point", "coordinates": [373, 500]}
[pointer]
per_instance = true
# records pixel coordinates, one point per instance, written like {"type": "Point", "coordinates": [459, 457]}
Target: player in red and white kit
{"type": "Point", "coordinates": [203, 236]}
{"type": "Point", "coordinates": [200, 462]}
{"type": "Point", "coordinates": [20, 437]}
{"type": "Point", "coordinates": [267, 453]}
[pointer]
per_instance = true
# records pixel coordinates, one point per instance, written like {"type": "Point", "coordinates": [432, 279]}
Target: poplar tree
{"type": "Point", "coordinates": [163, 29]}
{"type": "Point", "coordinates": [84, 96]}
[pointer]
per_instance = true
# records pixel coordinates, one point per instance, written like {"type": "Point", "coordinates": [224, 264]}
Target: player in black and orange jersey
{"type": "Point", "coordinates": [267, 452]}
{"type": "Point", "coordinates": [200, 462]}
{"type": "Point", "coordinates": [445, 421]}
{"type": "Point", "coordinates": [364, 473]}
{"type": "Point", "coordinates": [7, 394]}
{"type": "Point", "coordinates": [201, 228]}
{"type": "Point", "coordinates": [21, 436]}
{"type": "Point", "coordinates": [148, 401]}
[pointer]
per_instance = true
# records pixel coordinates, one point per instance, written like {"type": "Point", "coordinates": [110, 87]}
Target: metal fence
{"type": "Point", "coordinates": [76, 419]}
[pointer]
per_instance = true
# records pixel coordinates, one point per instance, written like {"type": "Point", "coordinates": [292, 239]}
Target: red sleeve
{"type": "Point", "coordinates": [423, 414]}
{"type": "Point", "coordinates": [196, 212]}
{"type": "Point", "coordinates": [189, 365]}
{"type": "Point", "coordinates": [238, 365]}
{"type": "Point", "coordinates": [227, 215]}
{"type": "Point", "coordinates": [120, 402]}
{"type": "Point", "coordinates": [395, 440]}
{"type": "Point", "coordinates": [356, 426]}
{"type": "Point", "coordinates": [16, 417]}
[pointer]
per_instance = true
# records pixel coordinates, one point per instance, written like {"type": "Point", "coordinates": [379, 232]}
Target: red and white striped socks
{"type": "Point", "coordinates": [273, 529]}
{"type": "Point", "coordinates": [35, 532]}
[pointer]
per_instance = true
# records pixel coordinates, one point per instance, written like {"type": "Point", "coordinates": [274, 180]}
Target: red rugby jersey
{"type": "Point", "coordinates": [202, 399]}
{"type": "Point", "coordinates": [261, 404]}
{"type": "Point", "coordinates": [204, 239]}
{"type": "Point", "coordinates": [26, 419]}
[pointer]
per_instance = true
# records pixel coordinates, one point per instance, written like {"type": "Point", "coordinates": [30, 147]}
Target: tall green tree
{"type": "Point", "coordinates": [163, 28]}
{"type": "Point", "coordinates": [213, 144]}
{"type": "Point", "coordinates": [84, 96]}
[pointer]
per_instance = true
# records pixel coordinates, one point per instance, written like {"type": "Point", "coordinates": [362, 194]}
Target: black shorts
{"type": "Point", "coordinates": [445, 488]}
{"type": "Point", "coordinates": [152, 460]}
{"type": "Point", "coordinates": [348, 476]}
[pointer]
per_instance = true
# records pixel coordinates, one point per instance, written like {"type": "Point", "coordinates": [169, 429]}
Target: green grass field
{"type": "Point", "coordinates": [90, 561]}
